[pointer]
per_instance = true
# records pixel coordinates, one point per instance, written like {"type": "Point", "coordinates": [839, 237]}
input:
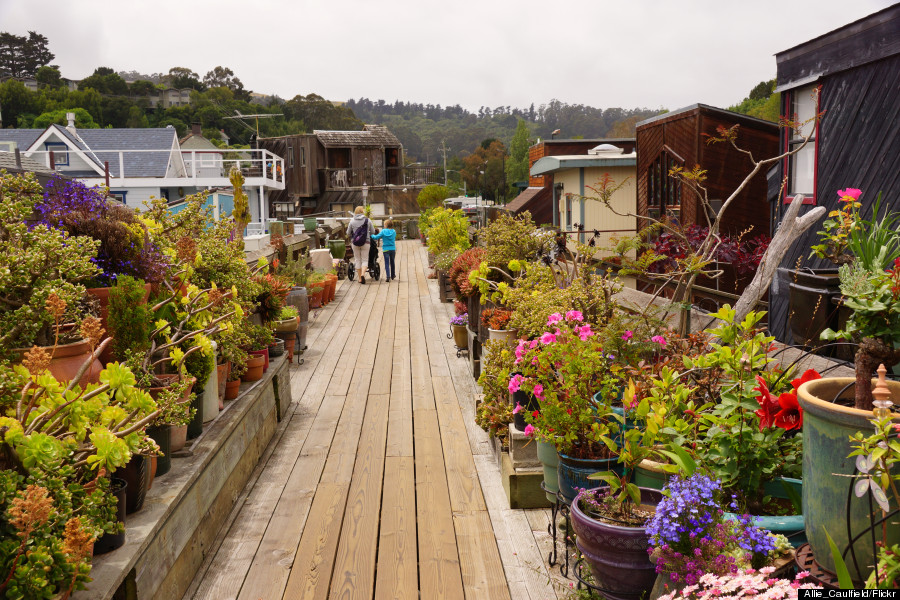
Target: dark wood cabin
{"type": "Point", "coordinates": [678, 138]}
{"type": "Point", "coordinates": [539, 198]}
{"type": "Point", "coordinates": [857, 141]}
{"type": "Point", "coordinates": [328, 170]}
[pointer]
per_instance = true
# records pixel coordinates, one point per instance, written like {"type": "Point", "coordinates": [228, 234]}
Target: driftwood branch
{"type": "Point", "coordinates": [791, 228]}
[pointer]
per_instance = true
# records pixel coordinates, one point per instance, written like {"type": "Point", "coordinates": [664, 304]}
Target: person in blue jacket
{"type": "Point", "coordinates": [389, 247]}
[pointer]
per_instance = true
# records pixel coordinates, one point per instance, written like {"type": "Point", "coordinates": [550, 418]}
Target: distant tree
{"type": "Point", "coordinates": [762, 90]}
{"type": "Point", "coordinates": [626, 127]}
{"type": "Point", "coordinates": [49, 76]}
{"type": "Point", "coordinates": [318, 113]}
{"type": "Point", "coordinates": [762, 102]}
{"type": "Point", "coordinates": [116, 111]}
{"type": "Point", "coordinates": [105, 81]}
{"type": "Point", "coordinates": [142, 87]}
{"type": "Point", "coordinates": [432, 196]}
{"type": "Point", "coordinates": [16, 101]}
{"type": "Point", "coordinates": [183, 78]}
{"type": "Point", "coordinates": [483, 170]}
{"type": "Point", "coordinates": [22, 56]}
{"type": "Point", "coordinates": [83, 119]}
{"type": "Point", "coordinates": [517, 165]}
{"type": "Point", "coordinates": [137, 119]}
{"type": "Point", "coordinates": [180, 126]}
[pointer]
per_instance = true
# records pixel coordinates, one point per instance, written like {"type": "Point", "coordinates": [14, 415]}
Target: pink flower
{"type": "Point", "coordinates": [574, 315]}
{"type": "Point", "coordinates": [849, 194]}
{"type": "Point", "coordinates": [520, 352]}
{"type": "Point", "coordinates": [529, 430]}
{"type": "Point", "coordinates": [517, 409]}
{"type": "Point", "coordinates": [627, 335]}
{"type": "Point", "coordinates": [538, 391]}
{"type": "Point", "coordinates": [659, 340]}
{"type": "Point", "coordinates": [514, 383]}
{"type": "Point", "coordinates": [548, 338]}
{"type": "Point", "coordinates": [584, 332]}
{"type": "Point", "coordinates": [554, 318]}
{"type": "Point", "coordinates": [533, 344]}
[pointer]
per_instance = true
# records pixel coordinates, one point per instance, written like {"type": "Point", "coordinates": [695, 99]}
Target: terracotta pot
{"type": "Point", "coordinates": [67, 360]}
{"type": "Point", "coordinates": [255, 368]}
{"type": "Point", "coordinates": [315, 292]}
{"type": "Point", "coordinates": [232, 389]}
{"type": "Point", "coordinates": [289, 346]}
{"type": "Point", "coordinates": [222, 372]}
{"type": "Point", "coordinates": [265, 354]}
{"type": "Point", "coordinates": [154, 465]}
{"type": "Point", "coordinates": [177, 437]}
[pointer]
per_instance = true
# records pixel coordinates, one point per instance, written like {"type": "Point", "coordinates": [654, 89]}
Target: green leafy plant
{"type": "Point", "coordinates": [260, 337]}
{"type": "Point", "coordinates": [493, 412]}
{"type": "Point", "coordinates": [288, 312]}
{"type": "Point", "coordinates": [130, 319]}
{"type": "Point", "coordinates": [446, 229]}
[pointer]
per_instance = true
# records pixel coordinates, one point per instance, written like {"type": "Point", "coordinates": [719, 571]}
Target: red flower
{"type": "Point", "coordinates": [810, 375]}
{"type": "Point", "coordinates": [536, 414]}
{"type": "Point", "coordinates": [767, 404]}
{"type": "Point", "coordinates": [791, 415]}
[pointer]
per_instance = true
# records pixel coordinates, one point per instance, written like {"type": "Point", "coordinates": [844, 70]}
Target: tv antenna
{"type": "Point", "coordinates": [238, 115]}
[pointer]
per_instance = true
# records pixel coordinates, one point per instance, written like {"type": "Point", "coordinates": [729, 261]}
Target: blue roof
{"type": "Point", "coordinates": [22, 137]}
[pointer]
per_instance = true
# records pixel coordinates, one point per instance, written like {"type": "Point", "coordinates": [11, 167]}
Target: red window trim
{"type": "Point", "coordinates": [812, 201]}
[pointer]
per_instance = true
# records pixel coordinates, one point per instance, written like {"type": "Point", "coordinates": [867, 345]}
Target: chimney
{"type": "Point", "coordinates": [196, 129]}
{"type": "Point", "coordinates": [70, 118]}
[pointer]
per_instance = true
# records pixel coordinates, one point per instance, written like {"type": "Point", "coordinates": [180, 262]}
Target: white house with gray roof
{"type": "Point", "coordinates": [137, 164]}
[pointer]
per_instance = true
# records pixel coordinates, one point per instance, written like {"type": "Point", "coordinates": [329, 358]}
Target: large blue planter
{"type": "Point", "coordinates": [619, 411]}
{"type": "Point", "coordinates": [791, 526]}
{"type": "Point", "coordinates": [573, 474]}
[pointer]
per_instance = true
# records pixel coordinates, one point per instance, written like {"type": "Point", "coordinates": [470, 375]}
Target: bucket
{"type": "Point", "coordinates": [309, 224]}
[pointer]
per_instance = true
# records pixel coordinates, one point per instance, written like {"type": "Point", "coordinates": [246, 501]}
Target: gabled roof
{"type": "Point", "coordinates": [8, 162]}
{"type": "Point", "coordinates": [370, 136]}
{"type": "Point", "coordinates": [528, 199]}
{"type": "Point", "coordinates": [687, 110]}
{"type": "Point", "coordinates": [197, 142]}
{"type": "Point", "coordinates": [137, 164]}
{"type": "Point", "coordinates": [22, 137]}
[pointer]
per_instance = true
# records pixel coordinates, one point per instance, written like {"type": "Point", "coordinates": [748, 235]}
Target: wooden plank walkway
{"type": "Point", "coordinates": [378, 484]}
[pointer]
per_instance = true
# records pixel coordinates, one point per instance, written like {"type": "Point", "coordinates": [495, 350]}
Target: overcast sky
{"type": "Point", "coordinates": [627, 53]}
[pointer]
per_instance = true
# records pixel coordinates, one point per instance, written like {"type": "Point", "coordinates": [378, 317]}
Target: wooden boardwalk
{"type": "Point", "coordinates": [378, 484]}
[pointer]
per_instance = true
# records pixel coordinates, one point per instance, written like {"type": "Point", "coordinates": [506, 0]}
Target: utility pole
{"type": "Point", "coordinates": [444, 152]}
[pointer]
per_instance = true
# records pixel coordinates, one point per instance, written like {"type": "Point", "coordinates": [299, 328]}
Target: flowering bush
{"type": "Point", "coordinates": [493, 412]}
{"type": "Point", "coordinates": [743, 584]}
{"type": "Point", "coordinates": [125, 245]}
{"type": "Point", "coordinates": [496, 318]}
{"type": "Point", "coordinates": [690, 536]}
{"type": "Point", "coordinates": [563, 369]}
{"type": "Point", "coordinates": [836, 230]}
{"type": "Point", "coordinates": [462, 319]}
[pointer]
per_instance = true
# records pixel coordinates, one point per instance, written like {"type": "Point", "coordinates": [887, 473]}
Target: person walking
{"type": "Point", "coordinates": [360, 232]}
{"type": "Point", "coordinates": [389, 247]}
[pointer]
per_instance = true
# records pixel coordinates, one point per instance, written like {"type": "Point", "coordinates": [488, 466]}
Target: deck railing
{"type": "Point", "coordinates": [355, 177]}
{"type": "Point", "coordinates": [261, 165]}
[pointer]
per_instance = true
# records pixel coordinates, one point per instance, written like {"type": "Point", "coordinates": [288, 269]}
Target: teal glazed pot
{"type": "Point", "coordinates": [546, 453]}
{"type": "Point", "coordinates": [827, 501]}
{"type": "Point", "coordinates": [790, 526]}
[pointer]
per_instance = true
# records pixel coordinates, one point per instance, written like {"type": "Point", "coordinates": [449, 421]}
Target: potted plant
{"type": "Point", "coordinates": [36, 262]}
{"type": "Point", "coordinates": [125, 246]}
{"type": "Point", "coordinates": [497, 322]}
{"type": "Point", "coordinates": [316, 289]}
{"type": "Point", "coordinates": [458, 274]}
{"type": "Point", "coordinates": [286, 328]}
{"type": "Point", "coordinates": [460, 332]}
{"type": "Point", "coordinates": [691, 536]}
{"type": "Point", "coordinates": [563, 370]}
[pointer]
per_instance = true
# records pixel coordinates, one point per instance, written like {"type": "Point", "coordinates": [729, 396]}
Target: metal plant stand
{"type": "Point", "coordinates": [459, 351]}
{"type": "Point", "coordinates": [559, 507]}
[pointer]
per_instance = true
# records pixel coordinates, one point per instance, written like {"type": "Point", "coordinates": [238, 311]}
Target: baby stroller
{"type": "Point", "coordinates": [373, 268]}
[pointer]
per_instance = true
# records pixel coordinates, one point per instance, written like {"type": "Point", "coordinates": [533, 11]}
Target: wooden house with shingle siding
{"type": "Point", "coordinates": [679, 138]}
{"type": "Point", "coordinates": [857, 141]}
{"type": "Point", "coordinates": [327, 170]}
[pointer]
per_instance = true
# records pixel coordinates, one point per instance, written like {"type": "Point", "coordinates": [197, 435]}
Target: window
{"type": "Point", "coordinates": [60, 153]}
{"type": "Point", "coordinates": [802, 166]}
{"type": "Point", "coordinates": [568, 211]}
{"type": "Point", "coordinates": [302, 156]}
{"type": "Point", "coordinates": [663, 191]}
{"type": "Point", "coordinates": [120, 196]}
{"type": "Point", "coordinates": [290, 156]}
{"type": "Point", "coordinates": [7, 146]}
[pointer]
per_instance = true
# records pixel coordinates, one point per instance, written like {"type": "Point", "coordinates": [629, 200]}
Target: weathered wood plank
{"type": "Point", "coordinates": [397, 552]}
{"type": "Point", "coordinates": [439, 568]}
{"type": "Point", "coordinates": [482, 571]}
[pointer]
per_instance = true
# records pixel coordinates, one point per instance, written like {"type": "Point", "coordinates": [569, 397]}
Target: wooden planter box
{"type": "Point", "coordinates": [445, 292]}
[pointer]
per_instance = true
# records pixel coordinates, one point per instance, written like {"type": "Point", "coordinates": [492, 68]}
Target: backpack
{"type": "Point", "coordinates": [361, 234]}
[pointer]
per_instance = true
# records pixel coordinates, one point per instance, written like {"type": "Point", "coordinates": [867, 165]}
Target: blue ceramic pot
{"type": "Point", "coordinates": [573, 474]}
{"type": "Point", "coordinates": [790, 526]}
